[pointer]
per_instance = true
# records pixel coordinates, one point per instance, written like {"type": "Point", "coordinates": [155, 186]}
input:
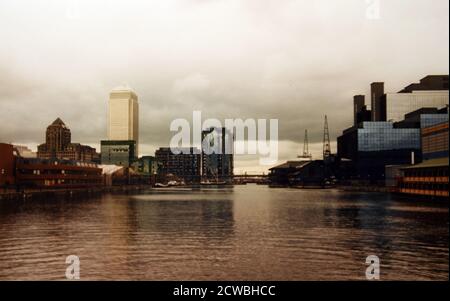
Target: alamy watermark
{"type": "Point", "coordinates": [373, 270]}
{"type": "Point", "coordinates": [235, 136]}
{"type": "Point", "coordinates": [73, 270]}
{"type": "Point", "coordinates": [373, 9]}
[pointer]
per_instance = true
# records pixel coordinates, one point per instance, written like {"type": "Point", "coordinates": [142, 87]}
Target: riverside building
{"type": "Point", "coordinates": [394, 136]}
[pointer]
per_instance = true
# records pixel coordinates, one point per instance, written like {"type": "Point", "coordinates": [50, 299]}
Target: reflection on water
{"type": "Point", "coordinates": [245, 233]}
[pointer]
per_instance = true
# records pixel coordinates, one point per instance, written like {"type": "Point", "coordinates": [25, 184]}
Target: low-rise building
{"type": "Point", "coordinates": [118, 152]}
{"type": "Point", "coordinates": [429, 178]}
{"type": "Point", "coordinates": [146, 165]}
{"type": "Point", "coordinates": [25, 151]}
{"type": "Point", "coordinates": [56, 173]}
{"type": "Point", "coordinates": [7, 177]}
{"type": "Point", "coordinates": [38, 173]}
{"type": "Point", "coordinates": [184, 164]}
{"type": "Point", "coordinates": [282, 174]}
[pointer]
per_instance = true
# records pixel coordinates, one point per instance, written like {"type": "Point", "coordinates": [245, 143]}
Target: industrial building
{"type": "Point", "coordinates": [282, 174]}
{"type": "Point", "coordinates": [299, 173]}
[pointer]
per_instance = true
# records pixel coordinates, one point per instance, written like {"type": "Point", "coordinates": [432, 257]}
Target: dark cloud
{"type": "Point", "coordinates": [291, 60]}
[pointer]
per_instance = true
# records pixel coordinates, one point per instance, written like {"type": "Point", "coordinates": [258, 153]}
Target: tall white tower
{"type": "Point", "coordinates": [123, 115]}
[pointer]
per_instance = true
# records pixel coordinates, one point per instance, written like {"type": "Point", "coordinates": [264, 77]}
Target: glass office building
{"type": "Point", "coordinates": [400, 104]}
{"type": "Point", "coordinates": [374, 145]}
{"type": "Point", "coordinates": [381, 136]}
{"type": "Point", "coordinates": [394, 136]}
{"type": "Point", "coordinates": [427, 120]}
{"type": "Point", "coordinates": [122, 153]}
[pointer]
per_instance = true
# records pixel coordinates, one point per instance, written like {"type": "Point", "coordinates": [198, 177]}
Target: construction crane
{"type": "Point", "coordinates": [326, 140]}
{"type": "Point", "coordinates": [306, 154]}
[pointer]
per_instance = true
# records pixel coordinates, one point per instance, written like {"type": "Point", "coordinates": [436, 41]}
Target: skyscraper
{"type": "Point", "coordinates": [123, 116]}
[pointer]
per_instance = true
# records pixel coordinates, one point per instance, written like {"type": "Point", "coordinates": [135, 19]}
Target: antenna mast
{"type": "Point", "coordinates": [306, 154]}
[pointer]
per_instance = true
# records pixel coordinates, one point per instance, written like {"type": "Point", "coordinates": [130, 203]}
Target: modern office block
{"type": "Point", "coordinates": [217, 155]}
{"type": "Point", "coordinates": [118, 152]}
{"type": "Point", "coordinates": [185, 163]}
{"type": "Point", "coordinates": [377, 144]}
{"type": "Point", "coordinates": [399, 104]}
{"type": "Point", "coordinates": [123, 116]}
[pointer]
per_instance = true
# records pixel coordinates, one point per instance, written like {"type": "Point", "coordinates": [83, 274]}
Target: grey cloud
{"type": "Point", "coordinates": [291, 60]}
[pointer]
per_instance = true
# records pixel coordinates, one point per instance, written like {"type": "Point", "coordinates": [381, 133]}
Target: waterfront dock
{"type": "Point", "coordinates": [35, 194]}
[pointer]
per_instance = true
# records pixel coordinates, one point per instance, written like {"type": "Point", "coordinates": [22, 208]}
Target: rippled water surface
{"type": "Point", "coordinates": [246, 233]}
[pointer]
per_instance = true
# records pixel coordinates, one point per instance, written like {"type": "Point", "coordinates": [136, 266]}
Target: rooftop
{"type": "Point", "coordinates": [58, 122]}
{"type": "Point", "coordinates": [291, 164]}
{"type": "Point", "coordinates": [123, 87]}
{"type": "Point", "coordinates": [441, 162]}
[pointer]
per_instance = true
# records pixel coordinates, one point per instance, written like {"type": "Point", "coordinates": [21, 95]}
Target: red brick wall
{"type": "Point", "coordinates": [6, 165]}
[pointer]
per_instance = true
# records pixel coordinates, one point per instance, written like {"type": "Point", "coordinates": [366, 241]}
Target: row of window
{"type": "Point", "coordinates": [438, 172]}
{"type": "Point", "coordinates": [68, 182]}
{"type": "Point", "coordinates": [425, 186]}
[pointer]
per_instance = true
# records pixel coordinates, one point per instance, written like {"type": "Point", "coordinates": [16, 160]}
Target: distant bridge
{"type": "Point", "coordinates": [250, 179]}
{"type": "Point", "coordinates": [250, 176]}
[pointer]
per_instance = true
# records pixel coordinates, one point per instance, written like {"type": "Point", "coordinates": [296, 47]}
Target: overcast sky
{"type": "Point", "coordinates": [294, 60]}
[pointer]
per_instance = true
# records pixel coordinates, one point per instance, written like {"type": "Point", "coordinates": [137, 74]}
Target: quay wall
{"type": "Point", "coordinates": [69, 193]}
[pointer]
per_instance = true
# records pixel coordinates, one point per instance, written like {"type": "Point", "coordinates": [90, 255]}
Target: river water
{"type": "Point", "coordinates": [246, 233]}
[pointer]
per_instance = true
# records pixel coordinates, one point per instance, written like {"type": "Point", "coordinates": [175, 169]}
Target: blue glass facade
{"type": "Point", "coordinates": [382, 136]}
{"type": "Point", "coordinates": [427, 120]}
{"type": "Point", "coordinates": [377, 144]}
